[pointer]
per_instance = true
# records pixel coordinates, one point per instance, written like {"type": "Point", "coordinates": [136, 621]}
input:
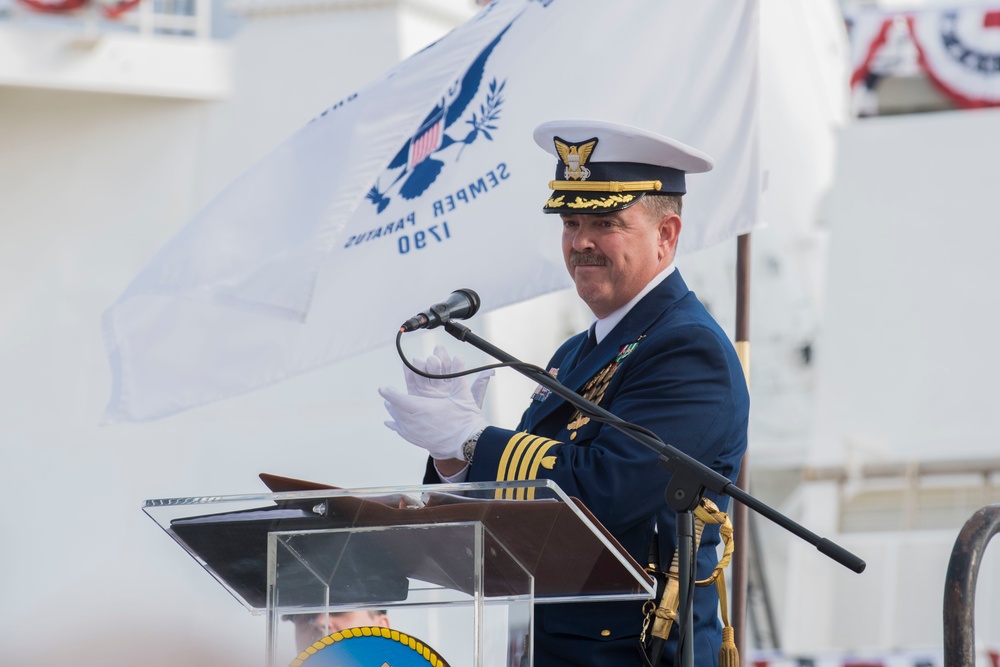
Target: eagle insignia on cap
{"type": "Point", "coordinates": [575, 156]}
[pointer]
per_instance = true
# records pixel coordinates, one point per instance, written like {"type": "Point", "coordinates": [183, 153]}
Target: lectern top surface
{"type": "Point", "coordinates": [369, 546]}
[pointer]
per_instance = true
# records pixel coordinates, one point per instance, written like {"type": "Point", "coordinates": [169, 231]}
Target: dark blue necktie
{"type": "Point", "coordinates": [588, 344]}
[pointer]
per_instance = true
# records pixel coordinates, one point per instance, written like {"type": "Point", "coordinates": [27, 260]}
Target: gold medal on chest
{"type": "Point", "coordinates": [596, 386]}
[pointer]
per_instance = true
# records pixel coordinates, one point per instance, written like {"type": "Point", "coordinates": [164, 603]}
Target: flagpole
{"type": "Point", "coordinates": [741, 528]}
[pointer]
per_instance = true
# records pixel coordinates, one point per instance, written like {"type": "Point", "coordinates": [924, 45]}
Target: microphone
{"type": "Point", "coordinates": [461, 305]}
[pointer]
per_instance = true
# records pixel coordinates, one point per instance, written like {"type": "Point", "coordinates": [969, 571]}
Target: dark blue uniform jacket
{"type": "Point", "coordinates": [682, 380]}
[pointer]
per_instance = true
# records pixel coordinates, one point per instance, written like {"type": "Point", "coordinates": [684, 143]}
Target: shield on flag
{"type": "Point", "coordinates": [425, 181]}
{"type": "Point", "coordinates": [427, 139]}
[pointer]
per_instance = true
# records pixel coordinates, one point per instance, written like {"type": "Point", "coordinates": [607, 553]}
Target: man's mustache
{"type": "Point", "coordinates": [586, 259]}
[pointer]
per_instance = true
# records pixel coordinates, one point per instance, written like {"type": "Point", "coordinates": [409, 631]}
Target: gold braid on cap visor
{"type": "Point", "coordinates": [605, 186]}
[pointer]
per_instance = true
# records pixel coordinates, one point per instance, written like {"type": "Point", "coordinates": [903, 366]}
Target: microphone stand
{"type": "Point", "coordinates": [689, 479]}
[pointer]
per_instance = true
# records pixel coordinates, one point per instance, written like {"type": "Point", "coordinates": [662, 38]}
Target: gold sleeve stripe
{"type": "Point", "coordinates": [505, 458]}
{"type": "Point", "coordinates": [514, 453]}
{"type": "Point", "coordinates": [605, 186]}
{"type": "Point", "coordinates": [527, 467]}
{"type": "Point", "coordinates": [537, 458]}
{"type": "Point", "coordinates": [520, 461]}
{"type": "Point", "coordinates": [521, 450]}
{"type": "Point", "coordinates": [540, 461]}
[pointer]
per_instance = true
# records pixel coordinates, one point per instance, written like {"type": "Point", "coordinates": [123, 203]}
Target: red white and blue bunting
{"type": "Point", "coordinates": [54, 6]}
{"type": "Point", "coordinates": [111, 9]}
{"type": "Point", "coordinates": [869, 33]}
{"type": "Point", "coordinates": [957, 49]}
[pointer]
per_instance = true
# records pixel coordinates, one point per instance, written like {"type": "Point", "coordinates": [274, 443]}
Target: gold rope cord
{"type": "Point", "coordinates": [666, 612]}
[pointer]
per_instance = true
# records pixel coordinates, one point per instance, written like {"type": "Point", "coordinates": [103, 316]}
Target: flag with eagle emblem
{"type": "Point", "coordinates": [427, 180]}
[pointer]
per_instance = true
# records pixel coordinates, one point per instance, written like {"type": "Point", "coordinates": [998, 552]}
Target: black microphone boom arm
{"type": "Point", "coordinates": [688, 477]}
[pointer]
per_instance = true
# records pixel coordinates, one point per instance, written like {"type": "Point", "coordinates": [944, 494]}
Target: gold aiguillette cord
{"type": "Point", "coordinates": [665, 614]}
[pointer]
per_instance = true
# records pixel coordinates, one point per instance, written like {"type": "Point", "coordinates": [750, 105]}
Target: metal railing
{"type": "Point", "coordinates": [960, 586]}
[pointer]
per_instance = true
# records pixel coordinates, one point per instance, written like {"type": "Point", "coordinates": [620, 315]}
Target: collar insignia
{"type": "Point", "coordinates": [575, 156]}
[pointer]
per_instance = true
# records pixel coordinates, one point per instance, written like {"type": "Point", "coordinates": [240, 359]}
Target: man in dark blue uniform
{"type": "Point", "coordinates": [654, 357]}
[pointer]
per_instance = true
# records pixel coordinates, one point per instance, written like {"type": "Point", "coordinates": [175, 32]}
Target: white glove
{"type": "Point", "coordinates": [438, 415]}
{"type": "Point", "coordinates": [441, 363]}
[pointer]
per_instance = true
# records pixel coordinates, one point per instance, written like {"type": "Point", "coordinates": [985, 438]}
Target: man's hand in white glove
{"type": "Point", "coordinates": [438, 415]}
{"type": "Point", "coordinates": [439, 363]}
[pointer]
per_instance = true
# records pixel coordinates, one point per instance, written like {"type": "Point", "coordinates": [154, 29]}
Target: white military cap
{"type": "Point", "coordinates": [606, 166]}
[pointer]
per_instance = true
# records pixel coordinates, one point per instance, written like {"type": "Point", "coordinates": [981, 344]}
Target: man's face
{"type": "Point", "coordinates": [310, 628]}
{"type": "Point", "coordinates": [611, 256]}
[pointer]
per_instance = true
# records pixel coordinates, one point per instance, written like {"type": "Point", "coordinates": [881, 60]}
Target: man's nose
{"type": "Point", "coordinates": [582, 240]}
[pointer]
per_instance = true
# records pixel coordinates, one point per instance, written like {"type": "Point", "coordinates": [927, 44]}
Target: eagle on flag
{"type": "Point", "coordinates": [418, 169]}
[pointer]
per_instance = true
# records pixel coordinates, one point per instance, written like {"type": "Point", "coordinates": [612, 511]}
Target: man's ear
{"type": "Point", "coordinates": [670, 230]}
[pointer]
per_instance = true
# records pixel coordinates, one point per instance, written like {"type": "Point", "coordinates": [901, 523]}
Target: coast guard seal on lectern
{"type": "Point", "coordinates": [369, 647]}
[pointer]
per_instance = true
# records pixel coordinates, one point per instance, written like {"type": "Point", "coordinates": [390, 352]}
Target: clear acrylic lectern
{"type": "Point", "coordinates": [459, 566]}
